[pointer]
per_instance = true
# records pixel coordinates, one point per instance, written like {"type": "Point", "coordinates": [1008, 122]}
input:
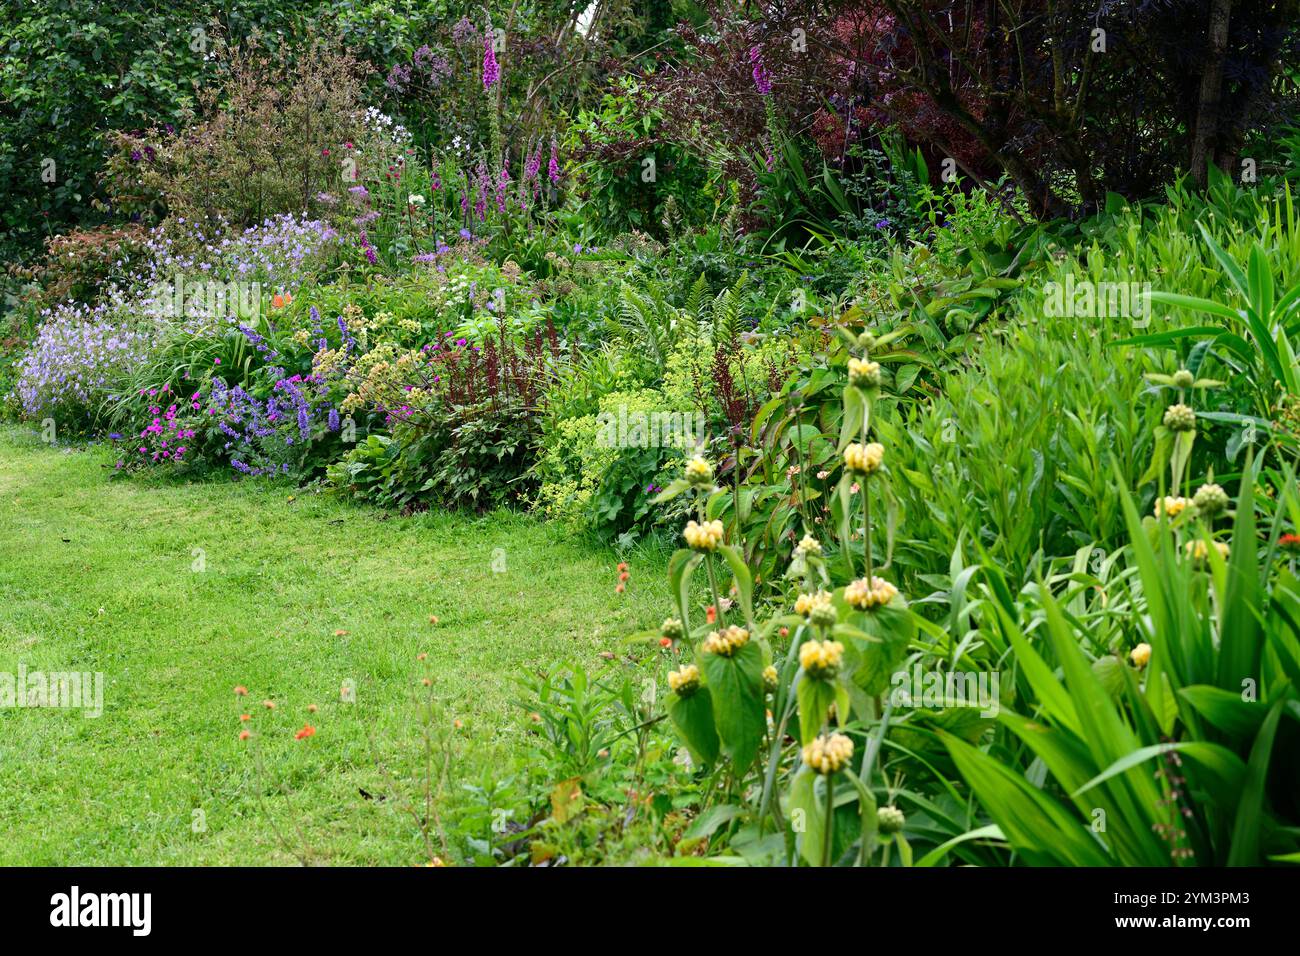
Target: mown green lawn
{"type": "Point", "coordinates": [295, 596]}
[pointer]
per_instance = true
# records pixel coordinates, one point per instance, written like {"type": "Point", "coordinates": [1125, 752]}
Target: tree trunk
{"type": "Point", "coordinates": [1210, 103]}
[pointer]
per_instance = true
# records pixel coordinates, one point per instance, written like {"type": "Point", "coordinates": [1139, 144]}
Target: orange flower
{"type": "Point", "coordinates": [711, 614]}
{"type": "Point", "coordinates": [623, 576]}
{"type": "Point", "coordinates": [244, 735]}
{"type": "Point", "coordinates": [269, 704]}
{"type": "Point", "coordinates": [307, 731]}
{"type": "Point", "coordinates": [785, 632]}
{"type": "Point", "coordinates": [622, 565]}
{"type": "Point", "coordinates": [245, 716]}
{"type": "Point", "coordinates": [665, 642]}
{"type": "Point", "coordinates": [620, 589]}
{"type": "Point", "coordinates": [241, 691]}
{"type": "Point", "coordinates": [311, 708]}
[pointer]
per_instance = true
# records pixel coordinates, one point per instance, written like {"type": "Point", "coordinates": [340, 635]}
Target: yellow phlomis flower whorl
{"type": "Point", "coordinates": [699, 472]}
{"type": "Point", "coordinates": [809, 545]}
{"type": "Point", "coordinates": [703, 537]}
{"type": "Point", "coordinates": [866, 595]}
{"type": "Point", "coordinates": [821, 659]}
{"type": "Point", "coordinates": [1171, 506]}
{"type": "Point", "coordinates": [726, 642]}
{"type": "Point", "coordinates": [864, 459]}
{"type": "Point", "coordinates": [685, 681]}
{"type": "Point", "coordinates": [829, 753]}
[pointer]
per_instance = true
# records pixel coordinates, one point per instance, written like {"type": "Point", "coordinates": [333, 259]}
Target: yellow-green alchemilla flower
{"type": "Point", "coordinates": [1171, 506]}
{"type": "Point", "coordinates": [685, 681]}
{"type": "Point", "coordinates": [671, 629]}
{"type": "Point", "coordinates": [864, 459]}
{"type": "Point", "coordinates": [890, 820]}
{"type": "Point", "coordinates": [868, 595]}
{"type": "Point", "coordinates": [1183, 378]}
{"type": "Point", "coordinates": [726, 642]}
{"type": "Point", "coordinates": [703, 537]}
{"type": "Point", "coordinates": [699, 473]}
{"type": "Point", "coordinates": [1140, 655]}
{"type": "Point", "coordinates": [1210, 500]}
{"type": "Point", "coordinates": [864, 374]}
{"type": "Point", "coordinates": [769, 679]}
{"type": "Point", "coordinates": [821, 659]}
{"type": "Point", "coordinates": [829, 753]}
{"type": "Point", "coordinates": [1180, 418]}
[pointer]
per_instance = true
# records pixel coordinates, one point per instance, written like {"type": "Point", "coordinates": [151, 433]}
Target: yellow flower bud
{"type": "Point", "coordinates": [1140, 655]}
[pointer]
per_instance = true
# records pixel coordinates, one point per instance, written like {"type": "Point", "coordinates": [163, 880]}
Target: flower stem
{"type": "Point", "coordinates": [828, 833]}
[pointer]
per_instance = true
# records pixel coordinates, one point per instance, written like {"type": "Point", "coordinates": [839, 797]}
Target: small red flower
{"type": "Point", "coordinates": [622, 565]}
{"type": "Point", "coordinates": [307, 731]}
{"type": "Point", "coordinates": [785, 632]}
{"type": "Point", "coordinates": [245, 716]}
{"type": "Point", "coordinates": [1289, 542]}
{"type": "Point", "coordinates": [244, 735]}
{"type": "Point", "coordinates": [665, 642]}
{"type": "Point", "coordinates": [623, 576]}
{"type": "Point", "coordinates": [711, 615]}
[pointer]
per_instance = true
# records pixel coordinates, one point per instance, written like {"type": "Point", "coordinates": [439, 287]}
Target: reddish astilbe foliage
{"type": "Point", "coordinates": [500, 371]}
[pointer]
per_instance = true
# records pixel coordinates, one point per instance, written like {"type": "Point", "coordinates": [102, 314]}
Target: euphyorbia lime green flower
{"type": "Point", "coordinates": [726, 642]}
{"type": "Point", "coordinates": [699, 473]}
{"type": "Point", "coordinates": [829, 753]}
{"type": "Point", "coordinates": [769, 679]}
{"type": "Point", "coordinates": [864, 459]}
{"type": "Point", "coordinates": [821, 659]}
{"type": "Point", "coordinates": [1180, 418]}
{"type": "Point", "coordinates": [671, 629]}
{"type": "Point", "coordinates": [890, 820]}
{"type": "Point", "coordinates": [867, 595]}
{"type": "Point", "coordinates": [1171, 506]}
{"type": "Point", "coordinates": [703, 537]}
{"type": "Point", "coordinates": [1140, 655]}
{"type": "Point", "coordinates": [1210, 500]}
{"type": "Point", "coordinates": [685, 681]}
{"type": "Point", "coordinates": [864, 374]}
